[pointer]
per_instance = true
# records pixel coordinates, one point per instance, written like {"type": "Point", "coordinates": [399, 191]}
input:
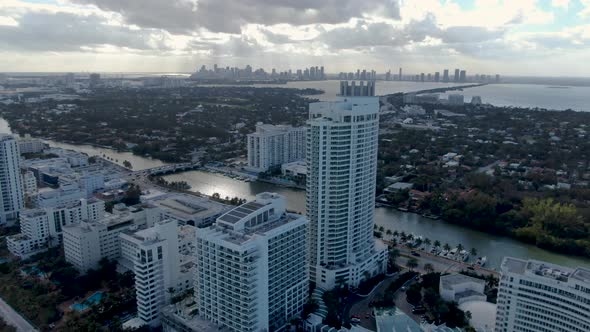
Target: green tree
{"type": "Point", "coordinates": [412, 263]}
{"type": "Point", "coordinates": [132, 195]}
{"type": "Point", "coordinates": [559, 220]}
{"type": "Point", "coordinates": [428, 268]}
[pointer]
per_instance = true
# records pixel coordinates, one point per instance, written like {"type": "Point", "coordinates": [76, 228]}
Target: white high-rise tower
{"type": "Point", "coordinates": [342, 166]}
{"type": "Point", "coordinates": [11, 188]}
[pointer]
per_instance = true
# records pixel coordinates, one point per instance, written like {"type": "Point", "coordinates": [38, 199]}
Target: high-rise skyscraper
{"type": "Point", "coordinates": [463, 76]}
{"type": "Point", "coordinates": [251, 266]}
{"type": "Point", "coordinates": [539, 296]}
{"type": "Point", "coordinates": [274, 145]}
{"type": "Point", "coordinates": [437, 77]}
{"type": "Point", "coordinates": [11, 187]}
{"type": "Point", "coordinates": [446, 75]}
{"type": "Point", "coordinates": [456, 78]}
{"type": "Point", "coordinates": [342, 164]}
{"type": "Point", "coordinates": [357, 90]}
{"type": "Point", "coordinates": [399, 77]}
{"type": "Point", "coordinates": [94, 80]}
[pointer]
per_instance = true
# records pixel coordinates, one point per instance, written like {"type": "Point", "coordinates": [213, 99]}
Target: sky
{"type": "Point", "coordinates": [512, 37]}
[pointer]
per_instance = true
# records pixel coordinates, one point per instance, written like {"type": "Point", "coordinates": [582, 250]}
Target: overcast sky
{"type": "Point", "coordinates": [512, 37]}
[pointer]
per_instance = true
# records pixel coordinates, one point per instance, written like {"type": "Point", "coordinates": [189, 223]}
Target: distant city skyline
{"type": "Point", "coordinates": [528, 38]}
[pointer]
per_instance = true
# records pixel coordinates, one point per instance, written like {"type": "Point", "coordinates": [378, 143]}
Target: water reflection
{"type": "Point", "coordinates": [494, 247]}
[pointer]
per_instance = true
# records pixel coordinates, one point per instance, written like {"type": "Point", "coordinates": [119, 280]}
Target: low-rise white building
{"type": "Point", "coordinates": [74, 158]}
{"type": "Point", "coordinates": [296, 169]}
{"type": "Point", "coordinates": [252, 266]}
{"type": "Point", "coordinates": [31, 145]}
{"type": "Point", "coordinates": [29, 183]}
{"type": "Point", "coordinates": [162, 270]}
{"type": "Point", "coordinates": [461, 288]}
{"type": "Point", "coordinates": [87, 242]}
{"type": "Point", "coordinates": [65, 194]}
{"type": "Point", "coordinates": [456, 99]}
{"type": "Point", "coordinates": [42, 228]}
{"type": "Point", "coordinates": [539, 296]}
{"type": "Point", "coordinates": [188, 209]}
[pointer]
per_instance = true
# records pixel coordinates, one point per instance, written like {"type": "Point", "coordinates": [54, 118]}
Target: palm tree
{"type": "Point", "coordinates": [388, 232]}
{"type": "Point", "coordinates": [394, 253]}
{"type": "Point", "coordinates": [447, 247]}
{"type": "Point", "coordinates": [412, 263]}
{"type": "Point", "coordinates": [395, 233]}
{"type": "Point", "coordinates": [375, 226]}
{"type": "Point", "coordinates": [381, 229]}
{"type": "Point", "coordinates": [459, 247]}
{"type": "Point", "coordinates": [402, 234]}
{"type": "Point", "coordinates": [473, 251]}
{"type": "Point", "coordinates": [436, 243]}
{"type": "Point", "coordinates": [427, 241]}
{"type": "Point", "coordinates": [410, 237]}
{"type": "Point", "coordinates": [428, 268]}
{"type": "Point", "coordinates": [491, 281]}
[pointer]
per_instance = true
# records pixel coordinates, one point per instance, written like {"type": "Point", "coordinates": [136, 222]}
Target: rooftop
{"type": "Point", "coordinates": [451, 280]}
{"type": "Point", "coordinates": [240, 212]}
{"type": "Point", "coordinates": [544, 269]}
{"type": "Point", "coordinates": [186, 206]}
{"type": "Point", "coordinates": [189, 321]}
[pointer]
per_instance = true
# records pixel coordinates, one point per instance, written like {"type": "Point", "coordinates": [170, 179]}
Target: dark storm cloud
{"type": "Point", "coordinates": [44, 31]}
{"type": "Point", "coordinates": [185, 16]}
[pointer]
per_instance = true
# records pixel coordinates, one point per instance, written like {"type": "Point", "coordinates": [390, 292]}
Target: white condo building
{"type": "Point", "coordinates": [342, 164]}
{"type": "Point", "coordinates": [29, 183]}
{"type": "Point", "coordinates": [162, 267]}
{"type": "Point", "coordinates": [87, 242]}
{"type": "Point", "coordinates": [273, 145]}
{"type": "Point", "coordinates": [31, 145]}
{"type": "Point", "coordinates": [536, 296]}
{"type": "Point", "coordinates": [11, 187]}
{"type": "Point", "coordinates": [42, 228]}
{"type": "Point", "coordinates": [251, 267]}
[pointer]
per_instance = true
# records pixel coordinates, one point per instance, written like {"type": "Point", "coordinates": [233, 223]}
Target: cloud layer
{"type": "Point", "coordinates": [489, 35]}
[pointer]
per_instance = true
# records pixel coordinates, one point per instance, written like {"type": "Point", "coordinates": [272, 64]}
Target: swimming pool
{"type": "Point", "coordinates": [88, 302]}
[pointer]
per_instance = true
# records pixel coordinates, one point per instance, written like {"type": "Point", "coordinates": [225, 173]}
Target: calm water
{"type": "Point", "coordinates": [494, 247]}
{"type": "Point", "coordinates": [521, 95]}
{"type": "Point", "coordinates": [532, 95]}
{"type": "Point", "coordinates": [332, 87]}
{"type": "Point", "coordinates": [137, 162]}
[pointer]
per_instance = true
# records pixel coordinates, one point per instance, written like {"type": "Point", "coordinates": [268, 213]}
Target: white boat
{"type": "Point", "coordinates": [463, 255]}
{"type": "Point", "coordinates": [481, 261]}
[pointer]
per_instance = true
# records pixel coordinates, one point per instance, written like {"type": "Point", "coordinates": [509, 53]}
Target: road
{"type": "Point", "coordinates": [440, 264]}
{"type": "Point", "coordinates": [14, 318]}
{"type": "Point", "coordinates": [364, 311]}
